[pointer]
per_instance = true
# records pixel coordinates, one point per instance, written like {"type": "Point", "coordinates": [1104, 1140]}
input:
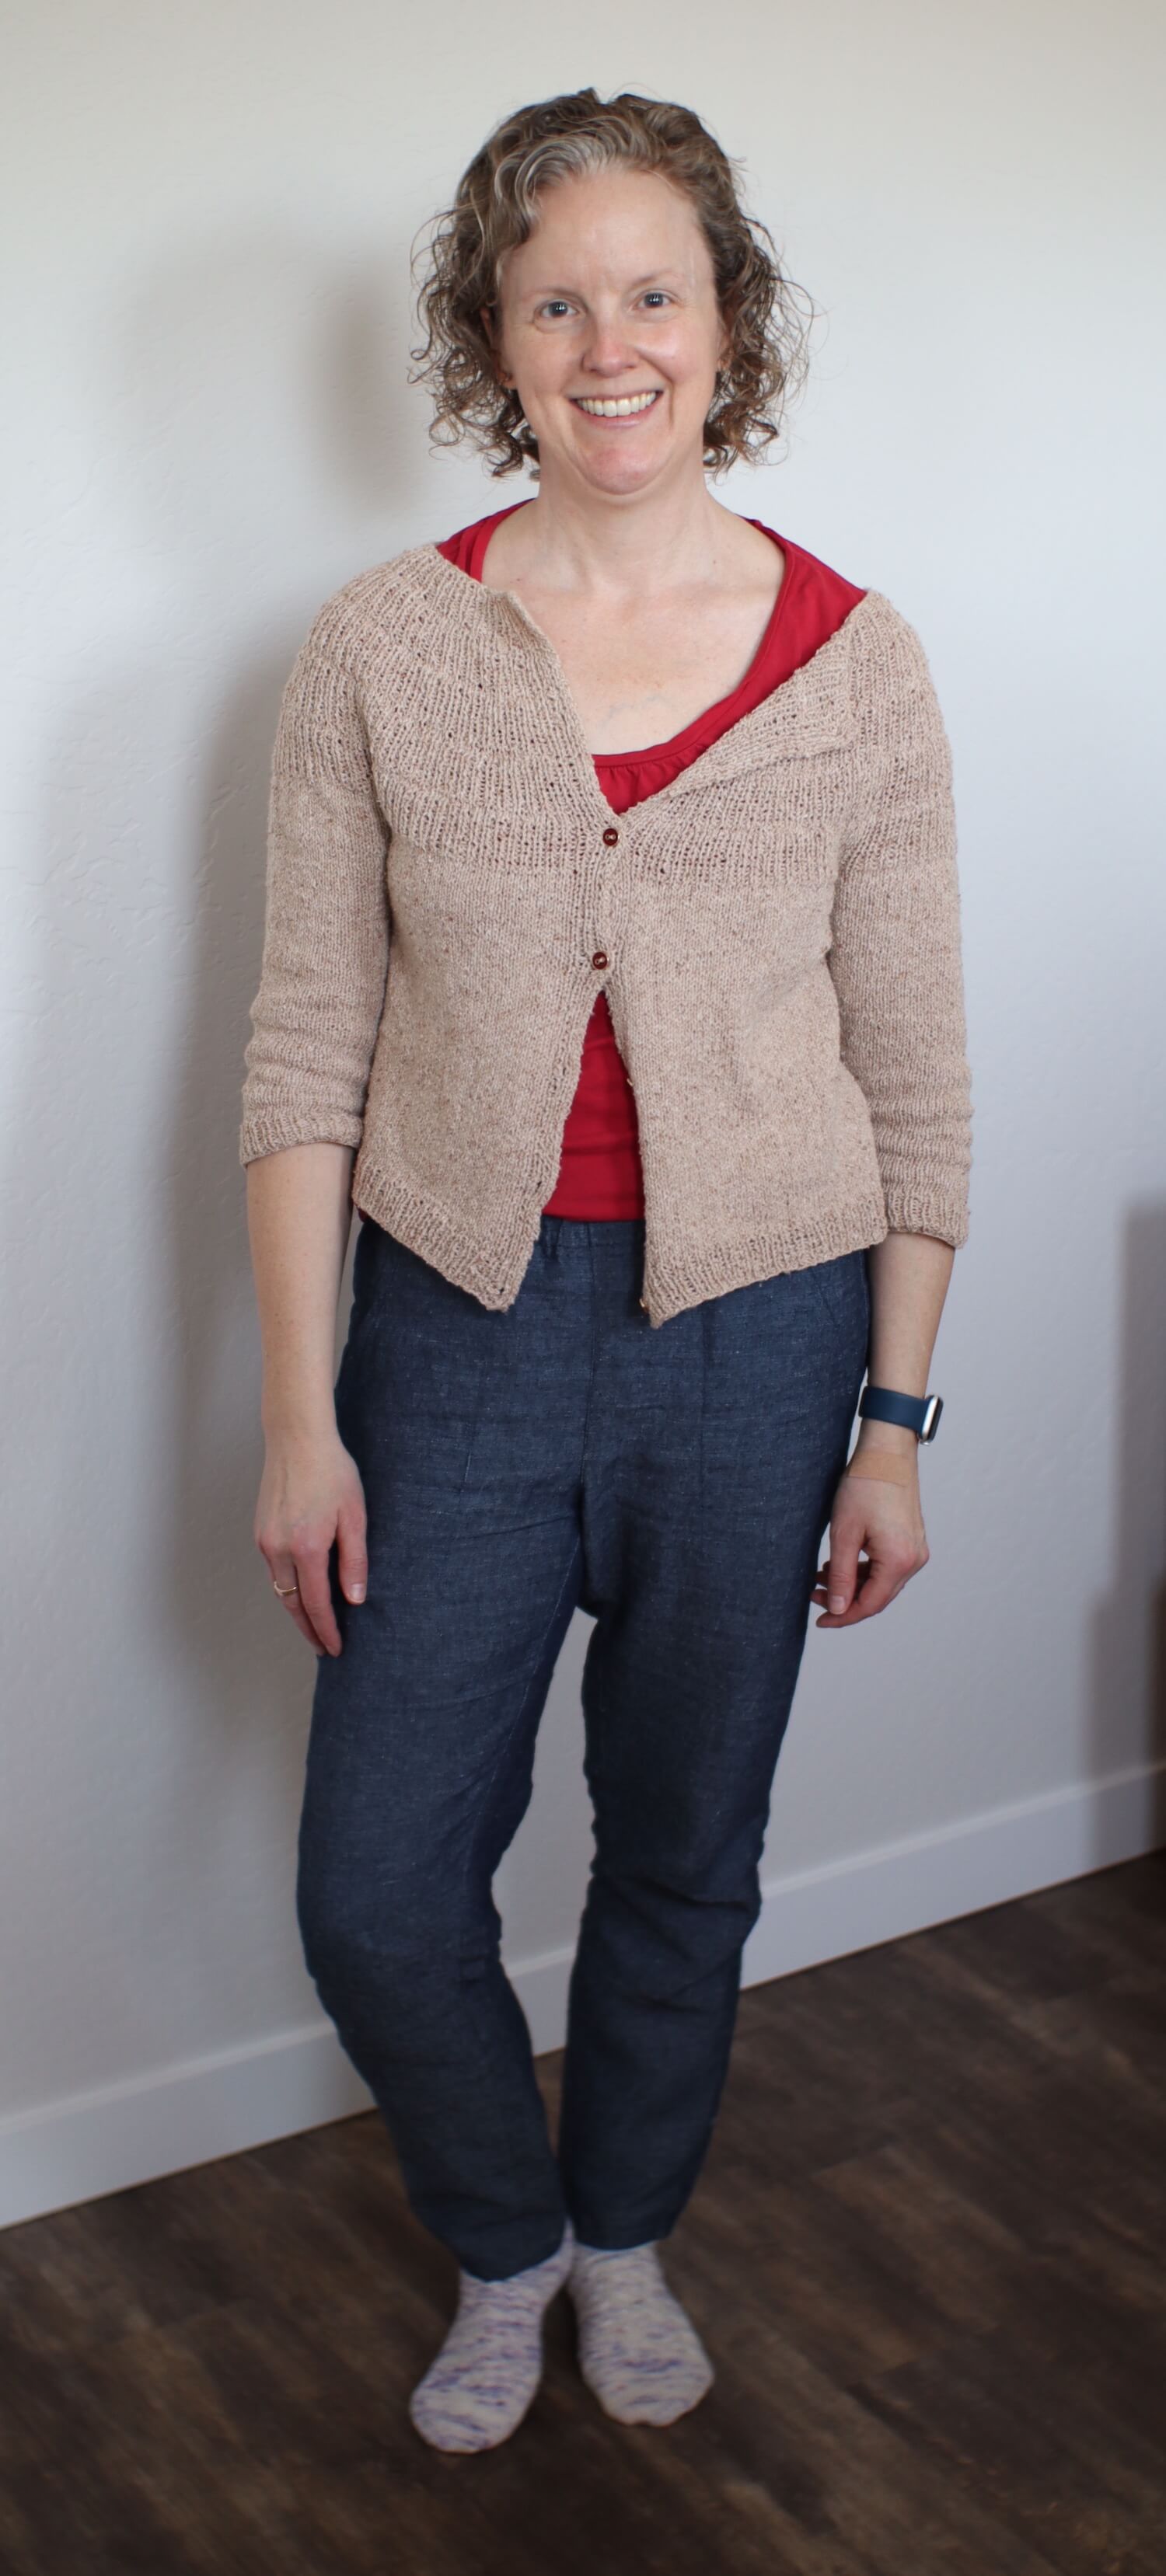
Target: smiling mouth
{"type": "Point", "coordinates": [615, 406]}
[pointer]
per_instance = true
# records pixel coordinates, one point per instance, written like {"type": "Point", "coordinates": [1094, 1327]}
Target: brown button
{"type": "Point", "coordinates": [644, 1304]}
{"type": "Point", "coordinates": [600, 957]}
{"type": "Point", "coordinates": [611, 836]}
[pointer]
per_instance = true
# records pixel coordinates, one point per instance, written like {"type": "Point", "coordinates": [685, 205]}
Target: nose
{"type": "Point", "coordinates": [608, 350]}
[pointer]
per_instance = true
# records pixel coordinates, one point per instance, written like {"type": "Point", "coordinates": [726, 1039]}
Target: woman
{"type": "Point", "coordinates": [652, 1064]}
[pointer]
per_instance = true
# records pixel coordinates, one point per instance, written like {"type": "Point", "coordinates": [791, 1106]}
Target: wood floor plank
{"type": "Point", "coordinates": [1084, 2489]}
{"type": "Point", "coordinates": [857, 2479]}
{"type": "Point", "coordinates": [958, 2257]}
{"type": "Point", "coordinates": [927, 2252]}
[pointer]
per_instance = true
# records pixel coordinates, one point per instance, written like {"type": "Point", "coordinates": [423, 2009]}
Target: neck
{"type": "Point", "coordinates": [620, 544]}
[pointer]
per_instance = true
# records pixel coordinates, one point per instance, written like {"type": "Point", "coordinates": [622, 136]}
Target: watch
{"type": "Point", "coordinates": [919, 1413]}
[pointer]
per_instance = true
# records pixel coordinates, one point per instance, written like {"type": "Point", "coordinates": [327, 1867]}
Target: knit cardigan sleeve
{"type": "Point", "coordinates": [895, 956]}
{"type": "Point", "coordinates": [321, 991]}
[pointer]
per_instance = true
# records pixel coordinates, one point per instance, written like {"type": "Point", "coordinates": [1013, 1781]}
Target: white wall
{"type": "Point", "coordinates": [209, 429]}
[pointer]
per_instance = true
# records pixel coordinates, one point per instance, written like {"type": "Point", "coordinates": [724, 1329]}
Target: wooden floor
{"type": "Point", "coordinates": [928, 2254]}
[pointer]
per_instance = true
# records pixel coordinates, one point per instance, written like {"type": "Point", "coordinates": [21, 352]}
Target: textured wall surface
{"type": "Point", "coordinates": [209, 428]}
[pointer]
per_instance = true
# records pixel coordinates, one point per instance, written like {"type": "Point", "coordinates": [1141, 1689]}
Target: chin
{"type": "Point", "coordinates": [619, 474]}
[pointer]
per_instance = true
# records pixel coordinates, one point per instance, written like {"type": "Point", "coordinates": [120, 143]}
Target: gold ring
{"type": "Point", "coordinates": [283, 1589]}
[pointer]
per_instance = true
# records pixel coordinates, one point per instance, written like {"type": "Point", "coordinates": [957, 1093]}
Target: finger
{"type": "Point", "coordinates": [286, 1582]}
{"type": "Point", "coordinates": [875, 1592]}
{"type": "Point", "coordinates": [879, 1586]}
{"type": "Point", "coordinates": [841, 1576]}
{"type": "Point", "coordinates": [316, 1598]}
{"type": "Point", "coordinates": [352, 1550]}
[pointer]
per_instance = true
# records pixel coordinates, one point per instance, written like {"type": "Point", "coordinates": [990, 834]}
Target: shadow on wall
{"type": "Point", "coordinates": [1127, 1636]}
{"type": "Point", "coordinates": [255, 444]}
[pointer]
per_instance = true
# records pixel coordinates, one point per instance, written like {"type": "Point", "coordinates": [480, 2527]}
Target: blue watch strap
{"type": "Point", "coordinates": [918, 1413]}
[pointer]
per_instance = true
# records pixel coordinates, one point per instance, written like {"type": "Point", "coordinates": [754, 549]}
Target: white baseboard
{"type": "Point", "coordinates": [77, 2150]}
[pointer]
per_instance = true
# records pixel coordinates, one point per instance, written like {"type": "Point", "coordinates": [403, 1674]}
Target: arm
{"type": "Point", "coordinates": [299, 1213]}
{"type": "Point", "coordinates": [314, 1025]}
{"type": "Point", "coordinates": [326, 938]}
{"type": "Point", "coordinates": [909, 1276]}
{"type": "Point", "coordinates": [897, 971]}
{"type": "Point", "coordinates": [895, 952]}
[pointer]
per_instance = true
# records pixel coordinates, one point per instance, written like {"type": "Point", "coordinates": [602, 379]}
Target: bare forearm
{"type": "Point", "coordinates": [299, 1213]}
{"type": "Point", "coordinates": [909, 1277]}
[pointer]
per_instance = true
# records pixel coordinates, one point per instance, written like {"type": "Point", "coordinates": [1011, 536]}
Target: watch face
{"type": "Point", "coordinates": [931, 1417]}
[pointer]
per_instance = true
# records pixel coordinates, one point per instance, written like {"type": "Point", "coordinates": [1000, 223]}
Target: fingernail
{"type": "Point", "coordinates": [356, 1592]}
{"type": "Point", "coordinates": [838, 1601]}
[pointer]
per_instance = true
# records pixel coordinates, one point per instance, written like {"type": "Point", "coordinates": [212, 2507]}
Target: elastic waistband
{"type": "Point", "coordinates": [611, 1247]}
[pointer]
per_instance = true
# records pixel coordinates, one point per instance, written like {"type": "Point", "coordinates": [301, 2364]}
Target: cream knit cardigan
{"type": "Point", "coordinates": [777, 932]}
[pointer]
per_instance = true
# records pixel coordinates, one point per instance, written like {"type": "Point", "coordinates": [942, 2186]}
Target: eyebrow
{"type": "Point", "coordinates": [654, 276]}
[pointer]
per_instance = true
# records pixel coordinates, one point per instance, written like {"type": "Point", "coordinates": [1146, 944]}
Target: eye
{"type": "Point", "coordinates": [555, 304]}
{"type": "Point", "coordinates": [656, 295]}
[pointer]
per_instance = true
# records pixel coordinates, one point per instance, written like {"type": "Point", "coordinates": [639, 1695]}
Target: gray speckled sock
{"type": "Point", "coordinates": [489, 2367]}
{"type": "Point", "coordinates": [640, 2355]}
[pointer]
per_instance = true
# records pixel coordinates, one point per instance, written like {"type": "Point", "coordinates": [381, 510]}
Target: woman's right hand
{"type": "Point", "coordinates": [310, 1497]}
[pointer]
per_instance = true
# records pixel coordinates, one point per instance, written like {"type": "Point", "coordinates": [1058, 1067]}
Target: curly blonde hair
{"type": "Point", "coordinates": [495, 208]}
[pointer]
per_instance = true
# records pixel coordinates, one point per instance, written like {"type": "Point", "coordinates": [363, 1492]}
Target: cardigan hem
{"type": "Point", "coordinates": [670, 1287]}
{"type": "Point", "coordinates": [494, 1273]}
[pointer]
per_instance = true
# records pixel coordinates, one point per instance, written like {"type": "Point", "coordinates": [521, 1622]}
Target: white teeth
{"type": "Point", "coordinates": [609, 408]}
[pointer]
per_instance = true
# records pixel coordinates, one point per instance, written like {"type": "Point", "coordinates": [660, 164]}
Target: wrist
{"type": "Point", "coordinates": [297, 1419]}
{"type": "Point", "coordinates": [893, 1436]}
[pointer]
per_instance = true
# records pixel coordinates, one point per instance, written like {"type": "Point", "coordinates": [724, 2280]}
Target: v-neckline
{"type": "Point", "coordinates": [673, 744]}
{"type": "Point", "coordinates": [585, 758]}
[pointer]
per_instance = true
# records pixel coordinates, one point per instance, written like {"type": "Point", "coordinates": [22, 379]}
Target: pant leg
{"type": "Point", "coordinates": [467, 1428]}
{"type": "Point", "coordinates": [715, 1445]}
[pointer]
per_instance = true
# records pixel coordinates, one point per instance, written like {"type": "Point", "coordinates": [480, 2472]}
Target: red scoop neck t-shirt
{"type": "Point", "coordinates": [599, 1172]}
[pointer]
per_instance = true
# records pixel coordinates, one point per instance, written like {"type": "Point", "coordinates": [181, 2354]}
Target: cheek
{"type": "Point", "coordinates": [545, 365]}
{"type": "Point", "coordinates": [687, 359]}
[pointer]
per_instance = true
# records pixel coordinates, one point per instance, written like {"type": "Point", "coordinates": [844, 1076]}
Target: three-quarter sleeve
{"type": "Point", "coordinates": [895, 956]}
{"type": "Point", "coordinates": [315, 1017]}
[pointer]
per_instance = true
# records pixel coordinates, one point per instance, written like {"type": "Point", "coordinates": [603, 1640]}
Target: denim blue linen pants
{"type": "Point", "coordinates": [675, 1481]}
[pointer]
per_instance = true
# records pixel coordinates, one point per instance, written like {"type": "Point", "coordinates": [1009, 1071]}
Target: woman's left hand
{"type": "Point", "coordinates": [885, 1519]}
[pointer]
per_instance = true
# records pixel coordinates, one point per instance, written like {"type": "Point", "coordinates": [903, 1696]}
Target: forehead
{"type": "Point", "coordinates": [615, 225]}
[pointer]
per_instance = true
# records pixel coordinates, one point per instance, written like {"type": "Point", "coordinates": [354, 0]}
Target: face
{"type": "Point", "coordinates": [610, 330]}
